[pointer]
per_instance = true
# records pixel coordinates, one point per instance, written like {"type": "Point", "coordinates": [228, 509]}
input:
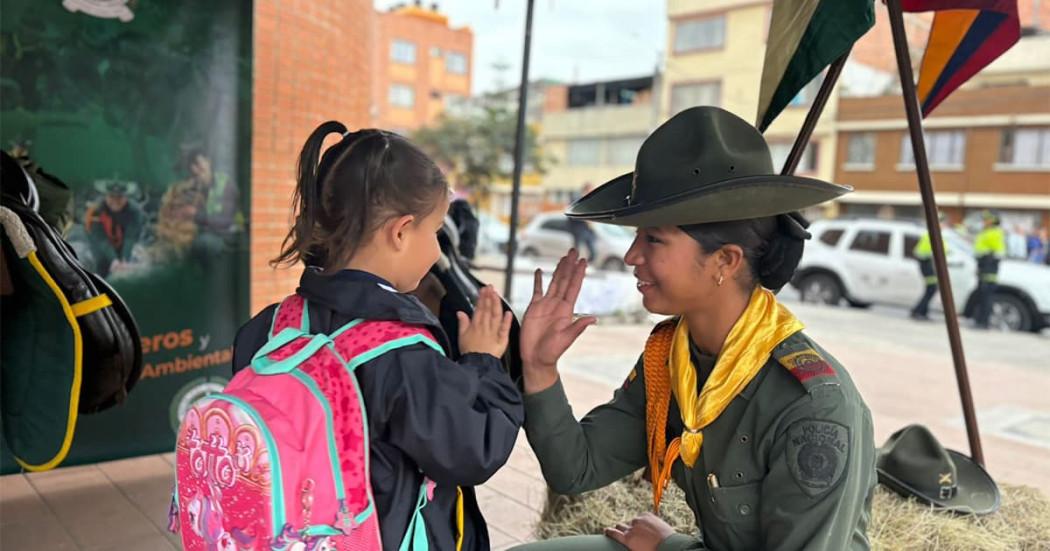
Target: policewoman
{"type": "Point", "coordinates": [763, 429]}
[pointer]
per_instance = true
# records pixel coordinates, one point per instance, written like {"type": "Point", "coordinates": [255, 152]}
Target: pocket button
{"type": "Point", "coordinates": [744, 509]}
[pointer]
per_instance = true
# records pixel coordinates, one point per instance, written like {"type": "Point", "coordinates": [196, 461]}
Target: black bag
{"type": "Point", "coordinates": [461, 293]}
{"type": "Point", "coordinates": [70, 344]}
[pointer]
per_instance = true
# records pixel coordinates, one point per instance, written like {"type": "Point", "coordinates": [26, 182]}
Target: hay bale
{"type": "Point", "coordinates": [1022, 523]}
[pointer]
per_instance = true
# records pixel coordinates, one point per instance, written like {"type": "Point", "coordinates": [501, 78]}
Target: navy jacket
{"type": "Point", "coordinates": [455, 422]}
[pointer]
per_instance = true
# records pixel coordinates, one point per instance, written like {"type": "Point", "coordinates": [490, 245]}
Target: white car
{"type": "Point", "coordinates": [547, 236]}
{"type": "Point", "coordinates": [867, 261]}
{"type": "Point", "coordinates": [492, 235]}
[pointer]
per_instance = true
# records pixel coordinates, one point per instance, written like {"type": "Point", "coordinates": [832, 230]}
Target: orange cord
{"type": "Point", "coordinates": [657, 404]}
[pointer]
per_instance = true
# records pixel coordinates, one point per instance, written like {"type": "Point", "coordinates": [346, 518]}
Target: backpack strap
{"type": "Point", "coordinates": [361, 341]}
{"type": "Point", "coordinates": [290, 343]}
{"type": "Point", "coordinates": [291, 313]}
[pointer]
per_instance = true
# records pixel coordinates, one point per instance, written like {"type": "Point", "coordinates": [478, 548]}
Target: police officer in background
{"type": "Point", "coordinates": [923, 253]}
{"type": "Point", "coordinates": [989, 248]}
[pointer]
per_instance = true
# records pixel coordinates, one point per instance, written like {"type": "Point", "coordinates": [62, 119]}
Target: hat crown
{"type": "Point", "coordinates": [698, 147]}
{"type": "Point", "coordinates": [914, 456]}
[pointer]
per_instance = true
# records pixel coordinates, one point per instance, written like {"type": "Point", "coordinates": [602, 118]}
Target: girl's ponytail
{"type": "Point", "coordinates": [307, 197]}
{"type": "Point", "coordinates": [347, 192]}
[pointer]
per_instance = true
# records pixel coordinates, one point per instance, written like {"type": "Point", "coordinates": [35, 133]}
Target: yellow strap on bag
{"type": "Point", "coordinates": [78, 356]}
{"type": "Point", "coordinates": [459, 519]}
{"type": "Point", "coordinates": [91, 305]}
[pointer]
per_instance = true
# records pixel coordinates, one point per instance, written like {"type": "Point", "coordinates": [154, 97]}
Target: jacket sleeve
{"type": "Point", "coordinates": [681, 542]}
{"type": "Point", "coordinates": [821, 475]}
{"type": "Point", "coordinates": [604, 446]}
{"type": "Point", "coordinates": [457, 421]}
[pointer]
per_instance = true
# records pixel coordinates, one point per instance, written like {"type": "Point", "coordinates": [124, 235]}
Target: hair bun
{"type": "Point", "coordinates": [777, 265]}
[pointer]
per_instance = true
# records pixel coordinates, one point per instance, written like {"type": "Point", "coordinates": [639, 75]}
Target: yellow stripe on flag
{"type": "Point", "coordinates": [90, 305]}
{"type": "Point", "coordinates": [949, 29]}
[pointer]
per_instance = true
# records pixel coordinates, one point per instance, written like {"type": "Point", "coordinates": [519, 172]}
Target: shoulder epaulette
{"type": "Point", "coordinates": [800, 356]}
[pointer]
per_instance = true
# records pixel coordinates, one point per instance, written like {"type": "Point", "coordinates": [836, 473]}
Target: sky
{"type": "Point", "coordinates": [572, 40]}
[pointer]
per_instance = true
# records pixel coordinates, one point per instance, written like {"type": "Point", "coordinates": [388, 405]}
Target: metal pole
{"type": "Point", "coordinates": [929, 202]}
{"type": "Point", "coordinates": [519, 152]}
{"type": "Point", "coordinates": [834, 70]}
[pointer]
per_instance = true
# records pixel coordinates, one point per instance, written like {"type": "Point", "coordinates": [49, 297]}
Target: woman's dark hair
{"type": "Point", "coordinates": [367, 178]}
{"type": "Point", "coordinates": [772, 245]}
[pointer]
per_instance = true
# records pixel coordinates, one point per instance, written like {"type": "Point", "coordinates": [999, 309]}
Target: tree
{"type": "Point", "coordinates": [479, 146]}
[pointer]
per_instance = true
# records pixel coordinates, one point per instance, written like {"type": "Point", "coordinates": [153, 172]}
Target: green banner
{"type": "Point", "coordinates": [143, 107]}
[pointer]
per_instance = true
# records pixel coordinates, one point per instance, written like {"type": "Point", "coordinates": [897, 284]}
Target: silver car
{"type": "Point", "coordinates": [548, 236]}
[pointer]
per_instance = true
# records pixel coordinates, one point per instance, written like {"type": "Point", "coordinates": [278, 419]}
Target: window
{"type": "Point", "coordinates": [877, 242]}
{"type": "Point", "coordinates": [781, 150]}
{"type": "Point", "coordinates": [456, 63]}
{"type": "Point", "coordinates": [623, 151]}
{"type": "Point", "coordinates": [403, 51]}
{"type": "Point", "coordinates": [684, 96]}
{"type": "Point", "coordinates": [1025, 147]}
{"type": "Point", "coordinates": [556, 224]}
{"type": "Point", "coordinates": [435, 51]}
{"type": "Point", "coordinates": [699, 34]}
{"type": "Point", "coordinates": [945, 149]}
{"type": "Point", "coordinates": [860, 150]}
{"type": "Point", "coordinates": [910, 241]}
{"type": "Point", "coordinates": [831, 237]}
{"type": "Point", "coordinates": [402, 95]}
{"type": "Point", "coordinates": [584, 152]}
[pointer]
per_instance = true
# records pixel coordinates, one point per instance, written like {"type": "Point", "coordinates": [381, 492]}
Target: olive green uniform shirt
{"type": "Point", "coordinates": [792, 456]}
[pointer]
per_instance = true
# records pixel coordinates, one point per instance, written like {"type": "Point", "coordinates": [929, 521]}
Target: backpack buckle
{"type": "Point", "coordinates": [346, 522]}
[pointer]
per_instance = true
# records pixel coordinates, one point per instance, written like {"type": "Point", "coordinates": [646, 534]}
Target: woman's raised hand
{"type": "Point", "coordinates": [548, 328]}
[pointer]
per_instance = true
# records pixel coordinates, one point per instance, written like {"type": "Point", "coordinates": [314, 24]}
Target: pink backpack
{"type": "Point", "coordinates": [280, 458]}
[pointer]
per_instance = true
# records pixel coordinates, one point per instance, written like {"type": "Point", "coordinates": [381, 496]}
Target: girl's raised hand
{"type": "Point", "coordinates": [488, 331]}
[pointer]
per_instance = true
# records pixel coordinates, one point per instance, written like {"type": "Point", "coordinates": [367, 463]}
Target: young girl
{"type": "Point", "coordinates": [366, 229]}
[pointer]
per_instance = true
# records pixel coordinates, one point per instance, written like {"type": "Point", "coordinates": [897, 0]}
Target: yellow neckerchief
{"type": "Point", "coordinates": [763, 325]}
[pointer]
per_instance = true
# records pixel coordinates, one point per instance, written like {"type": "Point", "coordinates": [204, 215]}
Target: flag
{"type": "Point", "coordinates": [805, 36]}
{"type": "Point", "coordinates": [966, 36]}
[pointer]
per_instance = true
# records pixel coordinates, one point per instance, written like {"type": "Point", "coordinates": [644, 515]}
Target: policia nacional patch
{"type": "Point", "coordinates": [817, 453]}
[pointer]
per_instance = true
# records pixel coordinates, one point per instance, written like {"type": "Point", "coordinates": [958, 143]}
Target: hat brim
{"type": "Point", "coordinates": [976, 493]}
{"type": "Point", "coordinates": [733, 199]}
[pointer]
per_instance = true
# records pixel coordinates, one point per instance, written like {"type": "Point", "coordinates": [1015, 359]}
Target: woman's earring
{"type": "Point", "coordinates": [720, 277]}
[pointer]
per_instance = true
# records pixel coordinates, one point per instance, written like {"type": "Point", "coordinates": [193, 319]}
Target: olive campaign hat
{"type": "Point", "coordinates": [705, 164]}
{"type": "Point", "coordinates": [914, 464]}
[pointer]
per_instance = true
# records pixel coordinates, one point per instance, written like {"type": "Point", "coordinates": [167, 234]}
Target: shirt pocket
{"type": "Point", "coordinates": [737, 507]}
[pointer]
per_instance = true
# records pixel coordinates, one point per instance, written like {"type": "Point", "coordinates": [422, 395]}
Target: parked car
{"type": "Point", "coordinates": [492, 235]}
{"type": "Point", "coordinates": [868, 261]}
{"type": "Point", "coordinates": [547, 236]}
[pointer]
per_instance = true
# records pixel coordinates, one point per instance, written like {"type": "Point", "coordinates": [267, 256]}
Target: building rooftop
{"type": "Point", "coordinates": [609, 92]}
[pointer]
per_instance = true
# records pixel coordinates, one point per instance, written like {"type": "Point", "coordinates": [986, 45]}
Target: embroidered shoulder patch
{"type": "Point", "coordinates": [817, 454]}
{"type": "Point", "coordinates": [807, 364]}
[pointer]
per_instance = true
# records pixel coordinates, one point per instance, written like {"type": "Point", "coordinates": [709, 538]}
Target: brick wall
{"type": "Point", "coordinates": [1001, 100]}
{"type": "Point", "coordinates": [313, 62]}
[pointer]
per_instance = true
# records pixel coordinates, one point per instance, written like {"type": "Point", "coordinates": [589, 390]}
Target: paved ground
{"type": "Point", "coordinates": [903, 368]}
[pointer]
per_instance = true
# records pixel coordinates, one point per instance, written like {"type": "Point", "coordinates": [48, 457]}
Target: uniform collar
{"type": "Point", "coordinates": [705, 363]}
